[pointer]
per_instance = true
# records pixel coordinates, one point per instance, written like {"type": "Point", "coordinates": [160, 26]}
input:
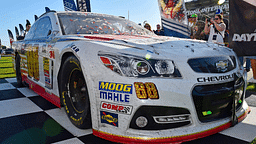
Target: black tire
{"type": "Point", "coordinates": [18, 72]}
{"type": "Point", "coordinates": [74, 93]}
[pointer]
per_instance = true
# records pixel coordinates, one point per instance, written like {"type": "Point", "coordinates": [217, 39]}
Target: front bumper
{"type": "Point", "coordinates": [182, 135]}
{"type": "Point", "coordinates": [187, 100]}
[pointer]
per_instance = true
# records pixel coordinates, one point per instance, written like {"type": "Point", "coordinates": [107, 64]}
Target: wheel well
{"type": "Point", "coordinates": [63, 58]}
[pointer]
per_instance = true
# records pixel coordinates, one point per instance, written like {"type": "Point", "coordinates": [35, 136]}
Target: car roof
{"type": "Point", "coordinates": [90, 13]}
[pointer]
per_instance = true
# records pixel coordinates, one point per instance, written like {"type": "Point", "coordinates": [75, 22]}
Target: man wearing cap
{"type": "Point", "coordinates": [192, 23]}
{"type": "Point", "coordinates": [158, 30]}
{"type": "Point", "coordinates": [192, 20]}
{"type": "Point", "coordinates": [28, 26]}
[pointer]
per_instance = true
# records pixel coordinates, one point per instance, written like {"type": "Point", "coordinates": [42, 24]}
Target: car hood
{"type": "Point", "coordinates": [163, 45]}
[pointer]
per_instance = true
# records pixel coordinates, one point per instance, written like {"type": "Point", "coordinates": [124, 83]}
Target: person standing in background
{"type": "Point", "coordinates": [216, 30]}
{"type": "Point", "coordinates": [147, 26]}
{"type": "Point", "coordinates": [226, 21]}
{"type": "Point", "coordinates": [159, 31]}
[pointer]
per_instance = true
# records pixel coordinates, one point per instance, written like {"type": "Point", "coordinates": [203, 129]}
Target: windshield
{"type": "Point", "coordinates": [91, 23]}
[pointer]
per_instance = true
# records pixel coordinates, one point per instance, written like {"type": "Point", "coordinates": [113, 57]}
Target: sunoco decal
{"type": "Point", "coordinates": [216, 78]}
{"type": "Point", "coordinates": [123, 109]}
{"type": "Point", "coordinates": [109, 118]}
{"type": "Point", "coordinates": [115, 92]}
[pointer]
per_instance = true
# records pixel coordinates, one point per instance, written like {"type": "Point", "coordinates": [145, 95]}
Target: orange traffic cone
{"type": "Point", "coordinates": [253, 64]}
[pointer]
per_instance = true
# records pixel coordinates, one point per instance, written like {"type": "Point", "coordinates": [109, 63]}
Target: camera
{"type": "Point", "coordinates": [207, 17]}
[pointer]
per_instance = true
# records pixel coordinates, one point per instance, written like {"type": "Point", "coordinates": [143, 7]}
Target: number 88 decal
{"type": "Point", "coordinates": [147, 90]}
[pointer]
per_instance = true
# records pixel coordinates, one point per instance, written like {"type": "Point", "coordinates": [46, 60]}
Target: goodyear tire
{"type": "Point", "coordinates": [74, 93]}
{"type": "Point", "coordinates": [18, 73]}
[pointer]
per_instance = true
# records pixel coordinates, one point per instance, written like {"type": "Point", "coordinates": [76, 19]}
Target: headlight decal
{"type": "Point", "coordinates": [135, 66]}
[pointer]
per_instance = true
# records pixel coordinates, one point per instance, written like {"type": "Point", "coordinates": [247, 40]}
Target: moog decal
{"type": "Point", "coordinates": [115, 87]}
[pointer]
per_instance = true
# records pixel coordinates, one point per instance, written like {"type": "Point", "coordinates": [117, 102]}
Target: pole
{"type": "Point", "coordinates": [128, 14]}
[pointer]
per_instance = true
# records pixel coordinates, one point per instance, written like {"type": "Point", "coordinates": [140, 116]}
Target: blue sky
{"type": "Point", "coordinates": [15, 12]}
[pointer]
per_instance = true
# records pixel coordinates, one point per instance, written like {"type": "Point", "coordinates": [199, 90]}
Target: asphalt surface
{"type": "Point", "coordinates": [25, 117]}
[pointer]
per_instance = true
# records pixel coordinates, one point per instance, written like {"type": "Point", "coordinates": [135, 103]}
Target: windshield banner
{"type": "Point", "coordinates": [243, 27]}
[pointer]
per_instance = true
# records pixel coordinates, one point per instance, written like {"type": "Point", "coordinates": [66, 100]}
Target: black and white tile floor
{"type": "Point", "coordinates": [26, 118]}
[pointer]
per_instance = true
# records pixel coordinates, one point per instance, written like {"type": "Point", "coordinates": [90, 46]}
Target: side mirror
{"type": "Point", "coordinates": [49, 32]}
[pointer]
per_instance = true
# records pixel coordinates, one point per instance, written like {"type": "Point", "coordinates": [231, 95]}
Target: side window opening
{"type": "Point", "coordinates": [31, 32]}
{"type": "Point", "coordinates": [43, 28]}
{"type": "Point", "coordinates": [40, 29]}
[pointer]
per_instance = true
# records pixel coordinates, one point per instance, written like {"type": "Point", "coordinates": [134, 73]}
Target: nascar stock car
{"type": "Point", "coordinates": [128, 84]}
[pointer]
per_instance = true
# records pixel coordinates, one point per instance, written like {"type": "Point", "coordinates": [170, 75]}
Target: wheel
{"type": "Point", "coordinates": [74, 93]}
{"type": "Point", "coordinates": [18, 73]}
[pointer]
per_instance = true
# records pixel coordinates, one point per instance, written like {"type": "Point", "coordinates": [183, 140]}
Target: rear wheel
{"type": "Point", "coordinates": [18, 72]}
{"type": "Point", "coordinates": [74, 93]}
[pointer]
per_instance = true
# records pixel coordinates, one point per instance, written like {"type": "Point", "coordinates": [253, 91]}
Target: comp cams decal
{"type": "Point", "coordinates": [122, 109]}
{"type": "Point", "coordinates": [115, 92]}
{"type": "Point", "coordinates": [216, 78]}
{"type": "Point", "coordinates": [109, 118]}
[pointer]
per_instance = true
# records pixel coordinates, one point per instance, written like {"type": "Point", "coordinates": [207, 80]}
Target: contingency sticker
{"type": "Point", "coordinates": [115, 92]}
{"type": "Point", "coordinates": [109, 118]}
{"type": "Point", "coordinates": [122, 109]}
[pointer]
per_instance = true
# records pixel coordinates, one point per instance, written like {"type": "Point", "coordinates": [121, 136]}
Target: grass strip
{"type": "Point", "coordinates": [6, 70]}
{"type": "Point", "coordinates": [251, 87]}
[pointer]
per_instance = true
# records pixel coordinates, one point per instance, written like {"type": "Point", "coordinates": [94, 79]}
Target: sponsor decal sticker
{"type": "Point", "coordinates": [109, 118]}
{"type": "Point", "coordinates": [115, 92]}
{"type": "Point", "coordinates": [145, 91]}
{"type": "Point", "coordinates": [115, 87]}
{"type": "Point", "coordinates": [44, 49]}
{"type": "Point", "coordinates": [115, 97]}
{"type": "Point", "coordinates": [51, 54]}
{"type": "Point", "coordinates": [123, 109]}
{"type": "Point", "coordinates": [75, 48]}
{"type": "Point", "coordinates": [216, 78]}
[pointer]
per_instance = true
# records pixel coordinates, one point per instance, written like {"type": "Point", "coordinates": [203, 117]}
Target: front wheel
{"type": "Point", "coordinates": [74, 93]}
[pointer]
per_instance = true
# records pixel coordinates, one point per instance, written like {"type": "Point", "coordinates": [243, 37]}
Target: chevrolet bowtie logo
{"type": "Point", "coordinates": [222, 65]}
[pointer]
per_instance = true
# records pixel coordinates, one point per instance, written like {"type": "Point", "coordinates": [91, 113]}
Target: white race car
{"type": "Point", "coordinates": [128, 84]}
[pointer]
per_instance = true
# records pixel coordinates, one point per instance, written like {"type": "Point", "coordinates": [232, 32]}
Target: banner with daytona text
{"type": "Point", "coordinates": [242, 37]}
